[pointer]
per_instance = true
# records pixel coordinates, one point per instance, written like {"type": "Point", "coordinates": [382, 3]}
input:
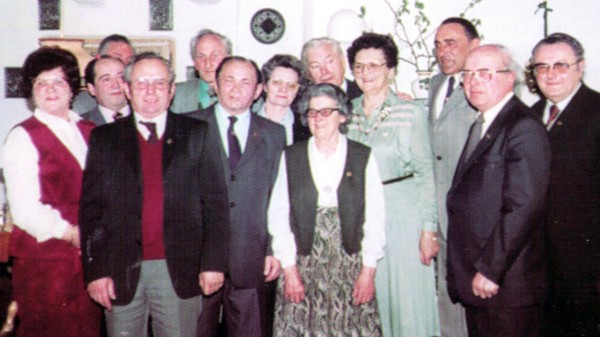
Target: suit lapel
{"type": "Point", "coordinates": [128, 143]}
{"type": "Point", "coordinates": [486, 140]}
{"type": "Point", "coordinates": [254, 141]}
{"type": "Point", "coordinates": [172, 139]}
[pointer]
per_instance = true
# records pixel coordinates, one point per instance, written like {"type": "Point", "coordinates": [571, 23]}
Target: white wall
{"type": "Point", "coordinates": [510, 22]}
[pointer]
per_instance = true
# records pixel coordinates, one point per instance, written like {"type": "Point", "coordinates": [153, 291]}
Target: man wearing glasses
{"type": "Point", "coordinates": [571, 112]}
{"type": "Point", "coordinates": [144, 224]}
{"type": "Point", "coordinates": [495, 205]}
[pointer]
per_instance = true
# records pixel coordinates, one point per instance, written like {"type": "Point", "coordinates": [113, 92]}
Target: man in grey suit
{"type": "Point", "coordinates": [115, 45]}
{"type": "Point", "coordinates": [104, 80]}
{"type": "Point", "coordinates": [250, 151]}
{"type": "Point", "coordinates": [208, 49]}
{"type": "Point", "coordinates": [450, 117]}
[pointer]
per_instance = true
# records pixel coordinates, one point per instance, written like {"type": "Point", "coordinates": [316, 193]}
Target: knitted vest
{"type": "Point", "coordinates": [304, 195]}
{"type": "Point", "coordinates": [60, 178]}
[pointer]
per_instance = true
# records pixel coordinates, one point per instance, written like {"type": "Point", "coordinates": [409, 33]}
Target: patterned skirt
{"type": "Point", "coordinates": [328, 274]}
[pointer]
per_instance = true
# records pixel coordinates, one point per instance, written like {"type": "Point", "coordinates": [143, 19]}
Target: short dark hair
{"type": "Point", "coordinates": [327, 90]}
{"type": "Point", "coordinates": [468, 26]}
{"type": "Point", "coordinates": [90, 69]}
{"type": "Point", "coordinates": [239, 59]}
{"type": "Point", "coordinates": [50, 58]}
{"type": "Point", "coordinates": [147, 56]}
{"type": "Point", "coordinates": [103, 46]}
{"type": "Point", "coordinates": [378, 41]}
{"type": "Point", "coordinates": [561, 38]}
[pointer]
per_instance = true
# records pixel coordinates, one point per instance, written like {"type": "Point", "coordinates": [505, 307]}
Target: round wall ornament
{"type": "Point", "coordinates": [267, 26]}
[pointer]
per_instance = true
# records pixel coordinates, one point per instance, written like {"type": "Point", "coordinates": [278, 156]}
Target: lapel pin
{"type": "Point", "coordinates": [169, 141]}
{"type": "Point", "coordinates": [349, 174]}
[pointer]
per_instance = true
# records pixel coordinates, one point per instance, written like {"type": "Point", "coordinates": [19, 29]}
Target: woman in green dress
{"type": "Point", "coordinates": [397, 132]}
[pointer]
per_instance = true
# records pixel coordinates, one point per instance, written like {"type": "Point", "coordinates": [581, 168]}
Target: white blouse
{"type": "Point", "coordinates": [327, 174]}
{"type": "Point", "coordinates": [21, 173]}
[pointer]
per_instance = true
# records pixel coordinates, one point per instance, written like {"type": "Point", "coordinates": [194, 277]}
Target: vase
{"type": "Point", "coordinates": [420, 86]}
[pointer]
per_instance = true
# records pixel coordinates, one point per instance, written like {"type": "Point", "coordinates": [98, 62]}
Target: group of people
{"type": "Point", "coordinates": [291, 201]}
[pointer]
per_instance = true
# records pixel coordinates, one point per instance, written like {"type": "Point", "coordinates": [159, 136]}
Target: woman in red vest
{"type": "Point", "coordinates": [43, 166]}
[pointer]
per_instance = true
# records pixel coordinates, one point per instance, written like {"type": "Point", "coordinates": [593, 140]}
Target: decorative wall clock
{"type": "Point", "coordinates": [267, 26]}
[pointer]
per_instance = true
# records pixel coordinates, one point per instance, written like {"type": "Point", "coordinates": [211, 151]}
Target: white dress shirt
{"type": "Point", "coordinates": [490, 115]}
{"type": "Point", "coordinates": [109, 115]}
{"type": "Point", "coordinates": [561, 107]}
{"type": "Point", "coordinates": [160, 121]}
{"type": "Point", "coordinates": [21, 172]}
{"type": "Point", "coordinates": [440, 99]}
{"type": "Point", "coordinates": [327, 174]}
{"type": "Point", "coordinates": [241, 127]}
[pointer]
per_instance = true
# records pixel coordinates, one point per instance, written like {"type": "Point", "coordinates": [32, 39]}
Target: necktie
{"type": "Point", "coordinates": [235, 151]}
{"type": "Point", "coordinates": [153, 137]}
{"type": "Point", "coordinates": [450, 88]}
{"type": "Point", "coordinates": [117, 115]}
{"type": "Point", "coordinates": [554, 110]}
{"type": "Point", "coordinates": [474, 136]}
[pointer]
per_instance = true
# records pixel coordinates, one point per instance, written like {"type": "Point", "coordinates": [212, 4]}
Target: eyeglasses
{"type": "Point", "coordinates": [483, 75]}
{"type": "Point", "coordinates": [325, 112]}
{"type": "Point", "coordinates": [160, 85]}
{"type": "Point", "coordinates": [558, 67]}
{"type": "Point", "coordinates": [281, 84]}
{"type": "Point", "coordinates": [371, 66]}
{"type": "Point", "coordinates": [54, 83]}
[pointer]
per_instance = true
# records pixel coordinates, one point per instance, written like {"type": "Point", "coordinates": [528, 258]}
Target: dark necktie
{"type": "Point", "coordinates": [474, 136]}
{"type": "Point", "coordinates": [450, 88]}
{"type": "Point", "coordinates": [117, 115]}
{"type": "Point", "coordinates": [554, 110]}
{"type": "Point", "coordinates": [235, 151]}
{"type": "Point", "coordinates": [153, 137]}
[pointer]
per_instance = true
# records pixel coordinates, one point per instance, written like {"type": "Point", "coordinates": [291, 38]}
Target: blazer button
{"type": "Point", "coordinates": [232, 178]}
{"type": "Point", "coordinates": [231, 204]}
{"type": "Point", "coordinates": [438, 157]}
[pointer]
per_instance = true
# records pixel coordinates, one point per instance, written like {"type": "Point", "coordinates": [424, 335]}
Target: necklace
{"type": "Point", "coordinates": [383, 113]}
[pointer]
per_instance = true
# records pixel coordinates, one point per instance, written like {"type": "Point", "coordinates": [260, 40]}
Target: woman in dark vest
{"type": "Point", "coordinates": [326, 217]}
{"type": "Point", "coordinates": [43, 166]}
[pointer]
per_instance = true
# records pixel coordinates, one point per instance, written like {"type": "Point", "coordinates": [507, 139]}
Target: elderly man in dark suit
{"type": "Point", "coordinates": [104, 80]}
{"type": "Point", "coordinates": [571, 112]}
{"type": "Point", "coordinates": [250, 148]}
{"type": "Point", "coordinates": [152, 196]}
{"type": "Point", "coordinates": [450, 117]}
{"type": "Point", "coordinates": [495, 205]}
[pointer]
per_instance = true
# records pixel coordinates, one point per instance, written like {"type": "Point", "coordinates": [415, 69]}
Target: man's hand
{"type": "Point", "coordinates": [102, 291]}
{"type": "Point", "coordinates": [272, 268]}
{"type": "Point", "coordinates": [211, 282]}
{"type": "Point", "coordinates": [364, 287]}
{"type": "Point", "coordinates": [293, 287]}
{"type": "Point", "coordinates": [483, 287]}
{"type": "Point", "coordinates": [428, 247]}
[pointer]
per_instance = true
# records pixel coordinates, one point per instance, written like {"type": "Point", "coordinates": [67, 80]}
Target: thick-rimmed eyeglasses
{"type": "Point", "coordinates": [54, 83]}
{"type": "Point", "coordinates": [371, 66]}
{"type": "Point", "coordinates": [558, 67]}
{"type": "Point", "coordinates": [483, 75]}
{"type": "Point", "coordinates": [325, 112]}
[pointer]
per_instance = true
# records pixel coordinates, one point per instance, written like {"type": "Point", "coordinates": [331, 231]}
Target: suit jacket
{"type": "Point", "coordinates": [448, 134]}
{"type": "Point", "coordinates": [249, 188]}
{"type": "Point", "coordinates": [352, 90]}
{"type": "Point", "coordinates": [495, 212]}
{"type": "Point", "coordinates": [573, 215]}
{"type": "Point", "coordinates": [94, 116]}
{"type": "Point", "coordinates": [195, 205]}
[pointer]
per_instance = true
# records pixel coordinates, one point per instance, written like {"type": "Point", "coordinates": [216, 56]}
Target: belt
{"type": "Point", "coordinates": [395, 180]}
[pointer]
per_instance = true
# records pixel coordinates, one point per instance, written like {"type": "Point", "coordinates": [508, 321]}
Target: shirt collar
{"type": "Point", "coordinates": [47, 118]}
{"type": "Point", "coordinates": [563, 104]}
{"type": "Point", "coordinates": [108, 114]}
{"type": "Point", "coordinates": [160, 121]}
{"type": "Point", "coordinates": [490, 115]}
